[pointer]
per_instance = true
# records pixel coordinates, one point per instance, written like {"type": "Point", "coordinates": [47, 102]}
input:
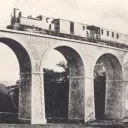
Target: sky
{"type": "Point", "coordinates": [9, 66]}
{"type": "Point", "coordinates": [110, 14]}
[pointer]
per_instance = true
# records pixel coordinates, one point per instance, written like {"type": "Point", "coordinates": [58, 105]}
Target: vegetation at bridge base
{"type": "Point", "coordinates": [99, 90]}
{"type": "Point", "coordinates": [56, 91]}
{"type": "Point", "coordinates": [52, 76]}
{"type": "Point", "coordinates": [9, 100]}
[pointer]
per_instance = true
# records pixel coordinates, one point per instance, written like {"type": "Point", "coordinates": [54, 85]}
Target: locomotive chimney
{"type": "Point", "coordinates": [20, 14]}
{"type": "Point", "coordinates": [14, 13]}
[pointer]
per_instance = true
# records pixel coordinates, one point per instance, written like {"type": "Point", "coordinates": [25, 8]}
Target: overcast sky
{"type": "Point", "coordinates": [111, 14]}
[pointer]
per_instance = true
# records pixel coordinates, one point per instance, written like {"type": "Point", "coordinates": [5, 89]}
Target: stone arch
{"type": "Point", "coordinates": [25, 75]}
{"type": "Point", "coordinates": [76, 108]}
{"type": "Point", "coordinates": [114, 96]}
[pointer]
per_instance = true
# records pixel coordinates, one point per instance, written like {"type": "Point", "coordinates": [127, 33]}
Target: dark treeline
{"type": "Point", "coordinates": [56, 91]}
{"type": "Point", "coordinates": [9, 98]}
{"type": "Point", "coordinates": [99, 90]}
{"type": "Point", "coordinates": [56, 86]}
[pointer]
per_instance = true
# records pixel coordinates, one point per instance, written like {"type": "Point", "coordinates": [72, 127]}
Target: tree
{"type": "Point", "coordinates": [56, 90]}
{"type": "Point", "coordinates": [64, 66]}
{"type": "Point", "coordinates": [13, 97]}
{"type": "Point", "coordinates": [99, 70]}
{"type": "Point", "coordinates": [52, 76]}
{"type": "Point", "coordinates": [65, 73]}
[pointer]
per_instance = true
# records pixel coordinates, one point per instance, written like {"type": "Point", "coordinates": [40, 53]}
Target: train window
{"type": "Point", "coordinates": [102, 32]}
{"type": "Point", "coordinates": [83, 27]}
{"type": "Point", "coordinates": [122, 37]}
{"type": "Point", "coordinates": [107, 33]}
{"type": "Point", "coordinates": [112, 34]}
{"type": "Point", "coordinates": [117, 36]}
{"type": "Point", "coordinates": [126, 38]}
{"type": "Point", "coordinates": [71, 27]}
{"type": "Point", "coordinates": [87, 34]}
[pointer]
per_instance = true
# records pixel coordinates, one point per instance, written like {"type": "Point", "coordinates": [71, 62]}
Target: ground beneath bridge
{"type": "Point", "coordinates": [92, 124]}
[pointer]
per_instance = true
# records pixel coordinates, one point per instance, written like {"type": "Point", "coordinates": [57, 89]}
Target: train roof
{"type": "Point", "coordinates": [54, 20]}
{"type": "Point", "coordinates": [92, 27]}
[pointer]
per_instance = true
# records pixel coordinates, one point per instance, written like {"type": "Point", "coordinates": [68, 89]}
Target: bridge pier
{"type": "Point", "coordinates": [126, 99]}
{"type": "Point", "coordinates": [25, 98]}
{"type": "Point", "coordinates": [38, 102]}
{"type": "Point", "coordinates": [31, 99]}
{"type": "Point", "coordinates": [89, 99]}
{"type": "Point", "coordinates": [76, 98]}
{"type": "Point", "coordinates": [114, 107]}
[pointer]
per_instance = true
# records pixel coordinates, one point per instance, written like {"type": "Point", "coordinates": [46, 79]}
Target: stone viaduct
{"type": "Point", "coordinates": [32, 50]}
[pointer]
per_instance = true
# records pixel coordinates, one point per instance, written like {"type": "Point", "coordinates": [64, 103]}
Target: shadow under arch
{"type": "Point", "coordinates": [114, 96]}
{"type": "Point", "coordinates": [76, 103]}
{"type": "Point", "coordinates": [24, 60]}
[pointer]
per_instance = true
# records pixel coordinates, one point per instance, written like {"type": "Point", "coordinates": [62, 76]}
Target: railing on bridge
{"type": "Point", "coordinates": [90, 39]}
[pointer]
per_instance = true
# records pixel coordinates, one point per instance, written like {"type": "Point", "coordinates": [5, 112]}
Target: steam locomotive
{"type": "Point", "coordinates": [67, 29]}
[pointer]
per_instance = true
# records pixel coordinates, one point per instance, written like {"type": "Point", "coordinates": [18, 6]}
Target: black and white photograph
{"type": "Point", "coordinates": [63, 64]}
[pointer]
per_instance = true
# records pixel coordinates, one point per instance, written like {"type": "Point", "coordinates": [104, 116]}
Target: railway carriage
{"type": "Point", "coordinates": [123, 39]}
{"type": "Point", "coordinates": [61, 26]}
{"type": "Point", "coordinates": [70, 28]}
{"type": "Point", "coordinates": [113, 37]}
{"type": "Point", "coordinates": [80, 29]}
{"type": "Point", "coordinates": [107, 35]}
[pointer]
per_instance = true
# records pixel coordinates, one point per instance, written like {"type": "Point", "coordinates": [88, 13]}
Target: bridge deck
{"type": "Point", "coordinates": [100, 44]}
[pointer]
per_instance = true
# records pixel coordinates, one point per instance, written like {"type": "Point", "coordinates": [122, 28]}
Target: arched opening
{"type": "Point", "coordinates": [56, 87]}
{"type": "Point", "coordinates": [9, 78]}
{"type": "Point", "coordinates": [23, 81]}
{"type": "Point", "coordinates": [73, 93]}
{"type": "Point", "coordinates": [99, 90]}
{"type": "Point", "coordinates": [108, 88]}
